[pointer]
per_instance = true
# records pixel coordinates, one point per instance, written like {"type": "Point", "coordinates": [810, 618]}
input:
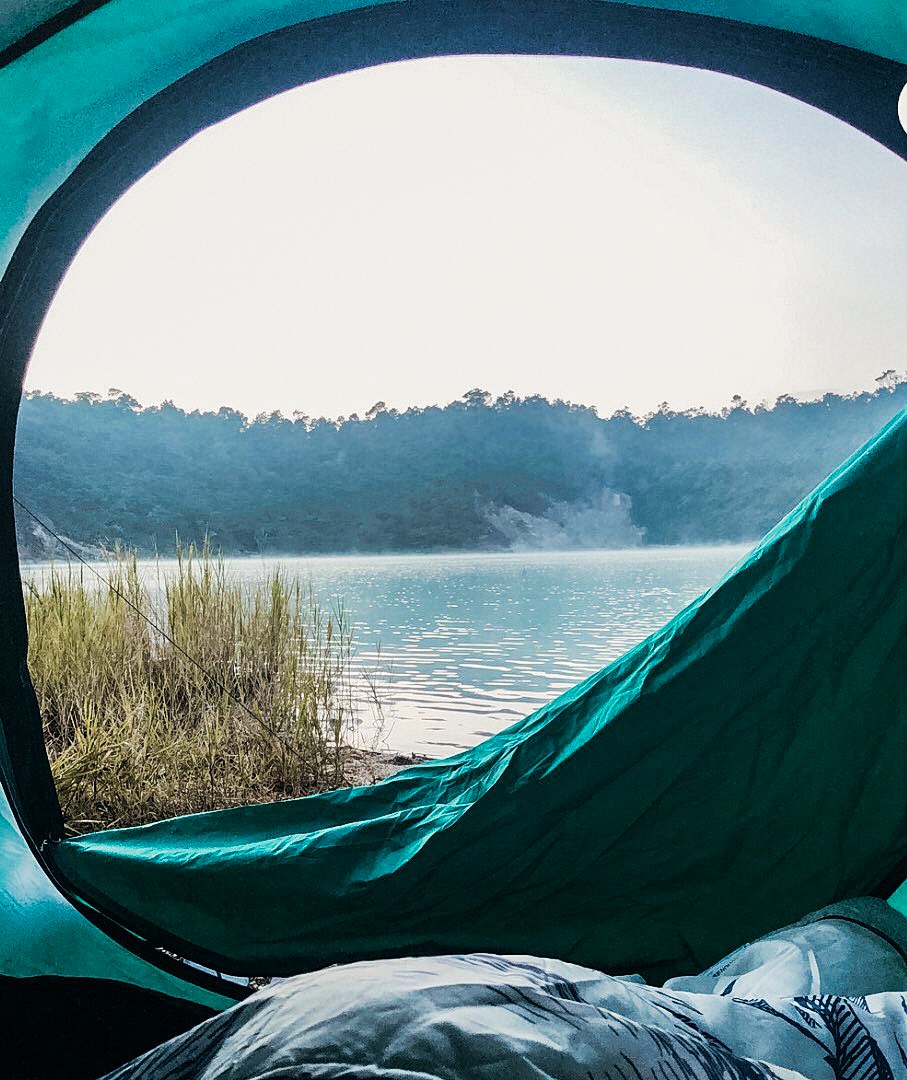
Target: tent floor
{"type": "Point", "coordinates": [82, 1028]}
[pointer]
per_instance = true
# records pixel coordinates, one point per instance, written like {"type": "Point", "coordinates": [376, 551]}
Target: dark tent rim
{"type": "Point", "coordinates": [45, 30]}
{"type": "Point", "coordinates": [859, 88]}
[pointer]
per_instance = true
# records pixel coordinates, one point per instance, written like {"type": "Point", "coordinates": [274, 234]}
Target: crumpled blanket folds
{"type": "Point", "coordinates": [825, 999]}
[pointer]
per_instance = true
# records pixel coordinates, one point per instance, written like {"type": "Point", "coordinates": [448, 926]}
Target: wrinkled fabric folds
{"type": "Point", "coordinates": [741, 765]}
{"type": "Point", "coordinates": [835, 1007]}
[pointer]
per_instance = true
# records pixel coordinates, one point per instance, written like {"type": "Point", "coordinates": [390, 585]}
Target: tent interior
{"type": "Point", "coordinates": [738, 768]}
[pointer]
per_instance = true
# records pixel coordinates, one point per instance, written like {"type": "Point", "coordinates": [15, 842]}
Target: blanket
{"type": "Point", "coordinates": [825, 999]}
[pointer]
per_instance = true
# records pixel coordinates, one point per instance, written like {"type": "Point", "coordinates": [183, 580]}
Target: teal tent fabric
{"type": "Point", "coordinates": [740, 766]}
{"type": "Point", "coordinates": [41, 933]}
{"type": "Point", "coordinates": [68, 92]}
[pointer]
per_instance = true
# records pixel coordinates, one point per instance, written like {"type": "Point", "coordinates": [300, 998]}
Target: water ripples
{"type": "Point", "coordinates": [458, 647]}
{"type": "Point", "coordinates": [462, 646]}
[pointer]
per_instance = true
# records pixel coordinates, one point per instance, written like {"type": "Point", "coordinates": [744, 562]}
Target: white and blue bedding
{"type": "Point", "coordinates": [825, 999]}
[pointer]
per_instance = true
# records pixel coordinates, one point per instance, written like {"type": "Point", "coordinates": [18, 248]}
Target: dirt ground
{"type": "Point", "coordinates": [363, 767]}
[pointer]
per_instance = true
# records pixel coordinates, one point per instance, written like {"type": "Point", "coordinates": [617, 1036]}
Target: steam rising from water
{"type": "Point", "coordinates": [601, 522]}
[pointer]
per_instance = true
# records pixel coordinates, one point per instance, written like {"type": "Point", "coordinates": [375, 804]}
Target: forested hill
{"type": "Point", "coordinates": [477, 474]}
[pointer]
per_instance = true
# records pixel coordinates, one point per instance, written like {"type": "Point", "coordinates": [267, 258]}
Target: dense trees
{"type": "Point", "coordinates": [476, 474]}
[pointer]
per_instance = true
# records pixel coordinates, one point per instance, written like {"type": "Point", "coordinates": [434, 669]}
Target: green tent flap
{"type": "Point", "coordinates": [739, 767]}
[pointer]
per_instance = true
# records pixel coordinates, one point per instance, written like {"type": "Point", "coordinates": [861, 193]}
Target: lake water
{"type": "Point", "coordinates": [460, 646]}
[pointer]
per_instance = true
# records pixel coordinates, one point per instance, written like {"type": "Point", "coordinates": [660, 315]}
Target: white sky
{"type": "Point", "coordinates": [608, 232]}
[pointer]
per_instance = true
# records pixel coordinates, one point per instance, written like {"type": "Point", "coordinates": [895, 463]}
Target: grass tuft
{"type": "Point", "coordinates": [137, 732]}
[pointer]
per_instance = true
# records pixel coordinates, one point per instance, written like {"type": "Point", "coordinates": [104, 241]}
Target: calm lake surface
{"type": "Point", "coordinates": [461, 646]}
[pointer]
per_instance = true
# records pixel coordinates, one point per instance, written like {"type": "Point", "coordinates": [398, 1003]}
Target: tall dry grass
{"type": "Point", "coordinates": [136, 731]}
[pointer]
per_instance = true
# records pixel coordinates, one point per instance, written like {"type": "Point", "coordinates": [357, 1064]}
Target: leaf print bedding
{"type": "Point", "coordinates": [825, 999]}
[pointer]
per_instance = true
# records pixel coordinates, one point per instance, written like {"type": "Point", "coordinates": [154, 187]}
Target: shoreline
{"type": "Point", "coordinates": [361, 768]}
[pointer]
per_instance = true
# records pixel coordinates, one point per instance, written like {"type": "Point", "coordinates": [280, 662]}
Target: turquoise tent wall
{"type": "Point", "coordinates": [41, 933]}
{"type": "Point", "coordinates": [94, 94]}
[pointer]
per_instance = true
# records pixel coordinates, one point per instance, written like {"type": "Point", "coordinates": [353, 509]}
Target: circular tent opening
{"type": "Point", "coordinates": [857, 87]}
{"type": "Point", "coordinates": [572, 228]}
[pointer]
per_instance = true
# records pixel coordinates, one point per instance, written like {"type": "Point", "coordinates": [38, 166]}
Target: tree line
{"type": "Point", "coordinates": [480, 473]}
